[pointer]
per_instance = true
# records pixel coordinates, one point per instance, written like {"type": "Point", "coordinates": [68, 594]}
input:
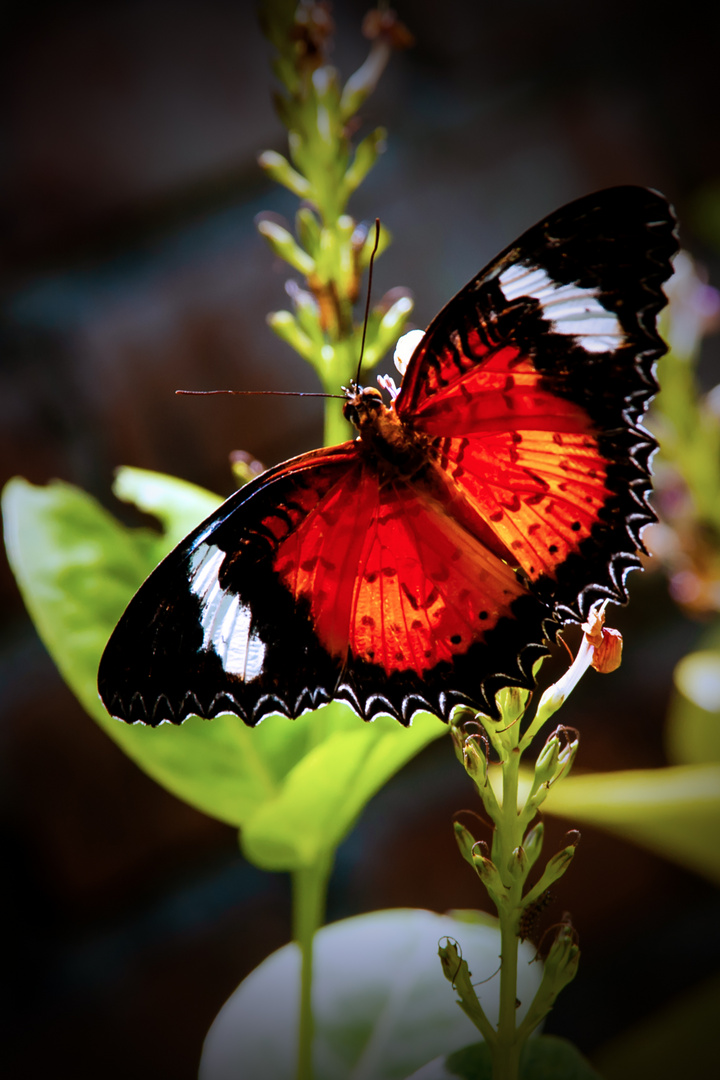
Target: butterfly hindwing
{"type": "Point", "coordinates": [434, 617]}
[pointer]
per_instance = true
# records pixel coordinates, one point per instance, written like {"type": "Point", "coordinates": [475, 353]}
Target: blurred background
{"type": "Point", "coordinates": [131, 267]}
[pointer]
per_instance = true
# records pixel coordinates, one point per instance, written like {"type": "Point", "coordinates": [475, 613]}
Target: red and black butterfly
{"type": "Point", "coordinates": [427, 563]}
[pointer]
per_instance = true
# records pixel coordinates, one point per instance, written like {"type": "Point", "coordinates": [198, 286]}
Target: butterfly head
{"type": "Point", "coordinates": [363, 405]}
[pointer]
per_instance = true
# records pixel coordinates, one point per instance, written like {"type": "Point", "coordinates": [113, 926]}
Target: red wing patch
{"type": "Point", "coordinates": [525, 459]}
{"type": "Point", "coordinates": [540, 493]}
{"type": "Point", "coordinates": [391, 579]}
{"type": "Point", "coordinates": [504, 393]}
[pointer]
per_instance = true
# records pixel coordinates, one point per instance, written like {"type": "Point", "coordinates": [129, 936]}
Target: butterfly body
{"type": "Point", "coordinates": [386, 444]}
{"type": "Point", "coordinates": [427, 562]}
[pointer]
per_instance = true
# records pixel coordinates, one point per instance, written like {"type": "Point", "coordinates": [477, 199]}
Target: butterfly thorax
{"type": "Point", "coordinates": [387, 442]}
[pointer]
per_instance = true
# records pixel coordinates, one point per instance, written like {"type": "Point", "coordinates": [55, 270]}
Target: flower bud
{"type": "Point", "coordinates": [383, 22]}
{"type": "Point", "coordinates": [457, 734]}
{"type": "Point", "coordinates": [555, 760]}
{"type": "Point", "coordinates": [245, 467]}
{"type": "Point", "coordinates": [465, 841]}
{"type": "Point", "coordinates": [364, 246]}
{"type": "Point", "coordinates": [559, 863]}
{"type": "Point", "coordinates": [366, 154]}
{"type": "Point", "coordinates": [286, 326]}
{"type": "Point", "coordinates": [386, 32]}
{"type": "Point", "coordinates": [568, 752]}
{"type": "Point", "coordinates": [387, 329]}
{"type": "Point", "coordinates": [283, 244]}
{"type": "Point", "coordinates": [560, 968]}
{"type": "Point", "coordinates": [450, 959]}
{"type": "Point", "coordinates": [308, 229]}
{"type": "Point", "coordinates": [475, 761]}
{"type": "Point", "coordinates": [561, 963]}
{"type": "Point", "coordinates": [488, 873]}
{"type": "Point", "coordinates": [512, 702]}
{"type": "Point", "coordinates": [532, 843]}
{"type": "Point", "coordinates": [279, 168]}
{"type": "Point", "coordinates": [517, 863]}
{"type": "Point", "coordinates": [607, 656]}
{"type": "Point", "coordinates": [547, 762]}
{"type": "Point", "coordinates": [605, 642]}
{"type": "Point", "coordinates": [599, 648]}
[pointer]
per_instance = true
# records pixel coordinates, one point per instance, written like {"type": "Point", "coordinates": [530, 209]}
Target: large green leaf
{"type": "Point", "coordinates": [673, 811]}
{"type": "Point", "coordinates": [295, 786]}
{"type": "Point", "coordinates": [381, 1003]}
{"type": "Point", "coordinates": [692, 734]}
{"type": "Point", "coordinates": [327, 787]}
{"type": "Point", "coordinates": [545, 1058]}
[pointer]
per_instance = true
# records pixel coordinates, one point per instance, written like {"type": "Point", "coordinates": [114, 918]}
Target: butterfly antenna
{"type": "Point", "coordinates": [369, 294]}
{"type": "Point", "coordinates": [277, 393]}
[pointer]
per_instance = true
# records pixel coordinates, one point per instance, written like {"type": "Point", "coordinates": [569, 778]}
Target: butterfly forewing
{"type": "Point", "coordinates": [214, 628]}
{"type": "Point", "coordinates": [532, 381]}
{"type": "Point", "coordinates": [341, 575]}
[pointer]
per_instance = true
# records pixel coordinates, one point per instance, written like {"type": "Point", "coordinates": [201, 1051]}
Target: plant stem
{"type": "Point", "coordinates": [506, 1053]}
{"type": "Point", "coordinates": [309, 895]}
{"type": "Point", "coordinates": [515, 849]}
{"type": "Point", "coordinates": [337, 429]}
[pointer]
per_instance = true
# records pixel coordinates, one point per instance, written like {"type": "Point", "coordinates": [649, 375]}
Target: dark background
{"type": "Point", "coordinates": [130, 268]}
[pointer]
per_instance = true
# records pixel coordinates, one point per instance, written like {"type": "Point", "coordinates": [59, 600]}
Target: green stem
{"type": "Point", "coordinates": [337, 429]}
{"type": "Point", "coordinates": [309, 895]}
{"type": "Point", "coordinates": [506, 1053]}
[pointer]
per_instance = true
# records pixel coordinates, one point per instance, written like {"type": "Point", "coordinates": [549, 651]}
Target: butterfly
{"type": "Point", "coordinates": [500, 493]}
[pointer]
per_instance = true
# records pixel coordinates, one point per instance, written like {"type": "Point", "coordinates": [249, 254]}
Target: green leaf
{"type": "Point", "coordinates": [673, 811]}
{"type": "Point", "coordinates": [77, 568]}
{"type": "Point", "coordinates": [382, 1005]}
{"type": "Point", "coordinates": [692, 733]}
{"type": "Point", "coordinates": [323, 793]}
{"type": "Point", "coordinates": [545, 1058]}
{"type": "Point", "coordinates": [177, 504]}
{"type": "Point", "coordinates": [295, 786]}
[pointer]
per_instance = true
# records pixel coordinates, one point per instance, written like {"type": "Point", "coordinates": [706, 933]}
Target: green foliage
{"type": "Point", "coordinates": [692, 734]}
{"type": "Point", "coordinates": [294, 787]}
{"type": "Point", "coordinates": [546, 1058]}
{"type": "Point", "coordinates": [689, 433]}
{"type": "Point", "coordinates": [516, 846]}
{"type": "Point", "coordinates": [673, 811]}
{"type": "Point", "coordinates": [382, 1007]}
{"type": "Point", "coordinates": [331, 250]}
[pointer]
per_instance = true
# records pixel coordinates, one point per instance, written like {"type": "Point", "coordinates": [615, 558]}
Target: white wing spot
{"type": "Point", "coordinates": [226, 622]}
{"type": "Point", "coordinates": [569, 309]}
